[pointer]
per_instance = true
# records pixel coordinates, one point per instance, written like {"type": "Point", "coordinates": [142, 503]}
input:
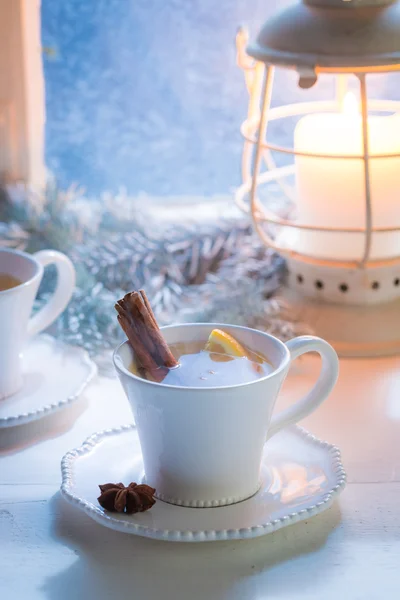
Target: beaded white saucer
{"type": "Point", "coordinates": [301, 477]}
{"type": "Point", "coordinates": [55, 375]}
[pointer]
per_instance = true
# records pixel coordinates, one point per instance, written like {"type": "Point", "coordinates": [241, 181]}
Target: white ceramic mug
{"type": "Point", "coordinates": [203, 446]}
{"type": "Point", "coordinates": [16, 323]}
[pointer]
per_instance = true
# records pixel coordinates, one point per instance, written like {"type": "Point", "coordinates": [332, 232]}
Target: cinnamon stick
{"type": "Point", "coordinates": [163, 354]}
{"type": "Point", "coordinates": [130, 303]}
{"type": "Point", "coordinates": [137, 319]}
{"type": "Point", "coordinates": [144, 358]}
{"type": "Point", "coordinates": [148, 306]}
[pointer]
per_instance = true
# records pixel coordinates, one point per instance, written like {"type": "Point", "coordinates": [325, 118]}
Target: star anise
{"type": "Point", "coordinates": [115, 497]}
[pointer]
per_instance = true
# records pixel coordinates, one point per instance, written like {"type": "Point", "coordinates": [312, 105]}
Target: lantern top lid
{"type": "Point", "coordinates": [332, 35]}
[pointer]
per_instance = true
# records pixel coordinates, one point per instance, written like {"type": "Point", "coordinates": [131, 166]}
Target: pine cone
{"type": "Point", "coordinates": [115, 497]}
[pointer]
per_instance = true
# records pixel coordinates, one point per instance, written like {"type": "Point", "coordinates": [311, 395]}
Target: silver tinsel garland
{"type": "Point", "coordinates": [218, 273]}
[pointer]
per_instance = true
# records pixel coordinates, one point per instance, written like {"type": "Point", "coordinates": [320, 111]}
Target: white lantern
{"type": "Point", "coordinates": [340, 233]}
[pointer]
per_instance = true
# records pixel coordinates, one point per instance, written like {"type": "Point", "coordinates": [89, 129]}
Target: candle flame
{"type": "Point", "coordinates": [350, 105]}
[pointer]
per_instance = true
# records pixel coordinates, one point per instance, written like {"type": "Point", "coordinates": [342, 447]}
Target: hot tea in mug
{"type": "Point", "coordinates": [218, 361]}
{"type": "Point", "coordinates": [8, 281]}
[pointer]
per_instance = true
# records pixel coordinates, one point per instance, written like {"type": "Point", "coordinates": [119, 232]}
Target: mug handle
{"type": "Point", "coordinates": [62, 294]}
{"type": "Point", "coordinates": [320, 391]}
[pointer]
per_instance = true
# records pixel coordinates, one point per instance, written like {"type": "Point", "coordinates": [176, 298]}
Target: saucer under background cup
{"type": "Point", "coordinates": [54, 376]}
{"type": "Point", "coordinates": [301, 477]}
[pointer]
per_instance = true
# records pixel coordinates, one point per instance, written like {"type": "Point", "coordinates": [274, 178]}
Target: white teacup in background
{"type": "Point", "coordinates": [203, 446]}
{"type": "Point", "coordinates": [16, 323]}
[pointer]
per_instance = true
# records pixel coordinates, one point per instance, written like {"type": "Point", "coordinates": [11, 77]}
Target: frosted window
{"type": "Point", "coordinates": [146, 94]}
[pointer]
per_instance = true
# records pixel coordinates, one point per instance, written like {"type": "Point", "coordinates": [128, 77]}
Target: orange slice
{"type": "Point", "coordinates": [220, 341]}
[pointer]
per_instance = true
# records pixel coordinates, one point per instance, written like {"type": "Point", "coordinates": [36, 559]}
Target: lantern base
{"type": "Point", "coordinates": [335, 283]}
{"type": "Point", "coordinates": [353, 330]}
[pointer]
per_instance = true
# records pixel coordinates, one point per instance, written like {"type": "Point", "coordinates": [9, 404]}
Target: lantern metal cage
{"type": "Point", "coordinates": [354, 301]}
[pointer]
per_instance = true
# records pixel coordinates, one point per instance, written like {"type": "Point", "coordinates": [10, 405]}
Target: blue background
{"type": "Point", "coordinates": [146, 94]}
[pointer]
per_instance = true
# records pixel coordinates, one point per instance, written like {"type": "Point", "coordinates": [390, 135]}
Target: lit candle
{"type": "Point", "coordinates": [331, 192]}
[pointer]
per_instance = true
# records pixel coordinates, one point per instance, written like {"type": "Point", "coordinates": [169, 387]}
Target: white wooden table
{"type": "Point", "coordinates": [49, 550]}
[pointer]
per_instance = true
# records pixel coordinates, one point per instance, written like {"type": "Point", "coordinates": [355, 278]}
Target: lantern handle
{"type": "Point", "coordinates": [253, 73]}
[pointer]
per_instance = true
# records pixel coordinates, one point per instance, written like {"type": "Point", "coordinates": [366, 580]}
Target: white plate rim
{"type": "Point", "coordinates": [29, 417]}
{"type": "Point", "coordinates": [106, 519]}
